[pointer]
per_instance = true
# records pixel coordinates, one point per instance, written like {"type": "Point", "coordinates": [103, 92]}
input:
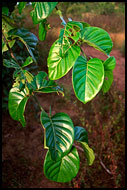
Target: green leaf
{"type": "Point", "coordinates": [5, 11]}
{"type": "Point", "coordinates": [87, 78]}
{"type": "Point", "coordinates": [27, 38]}
{"type": "Point", "coordinates": [110, 63]}
{"type": "Point", "coordinates": [88, 153]}
{"type": "Point", "coordinates": [28, 61]}
{"type": "Point", "coordinates": [7, 25]}
{"type": "Point", "coordinates": [97, 38]}
{"type": "Point", "coordinates": [16, 104]}
{"type": "Point", "coordinates": [21, 6]}
{"type": "Point", "coordinates": [84, 24]}
{"type": "Point", "coordinates": [72, 30]}
{"type": "Point", "coordinates": [10, 63]}
{"type": "Point", "coordinates": [81, 134]}
{"type": "Point", "coordinates": [63, 170]}
{"type": "Point", "coordinates": [42, 31]}
{"type": "Point", "coordinates": [108, 79]}
{"type": "Point", "coordinates": [28, 75]}
{"type": "Point", "coordinates": [40, 84]}
{"type": "Point", "coordinates": [42, 10]}
{"type": "Point", "coordinates": [59, 133]}
{"type": "Point", "coordinates": [61, 59]}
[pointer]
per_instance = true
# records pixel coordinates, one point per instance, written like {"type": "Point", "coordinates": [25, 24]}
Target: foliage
{"type": "Point", "coordinates": [89, 77]}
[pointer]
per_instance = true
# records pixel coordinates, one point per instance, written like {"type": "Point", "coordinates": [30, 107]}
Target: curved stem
{"type": "Point", "coordinates": [11, 52]}
{"type": "Point", "coordinates": [37, 101]}
{"type": "Point", "coordinates": [60, 15]}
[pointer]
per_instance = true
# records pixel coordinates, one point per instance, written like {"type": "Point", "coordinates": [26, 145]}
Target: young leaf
{"type": "Point", "coordinates": [82, 137]}
{"type": "Point", "coordinates": [63, 170]}
{"type": "Point", "coordinates": [28, 75]}
{"type": "Point", "coordinates": [110, 63]}
{"type": "Point", "coordinates": [108, 79]}
{"type": "Point", "coordinates": [10, 63]}
{"type": "Point", "coordinates": [7, 25]}
{"type": "Point", "coordinates": [59, 135]}
{"type": "Point", "coordinates": [60, 63]}
{"type": "Point", "coordinates": [80, 134]}
{"type": "Point", "coordinates": [87, 78]}
{"type": "Point", "coordinates": [26, 37]}
{"type": "Point", "coordinates": [88, 153]}
{"type": "Point", "coordinates": [28, 61]}
{"type": "Point", "coordinates": [21, 6]}
{"type": "Point", "coordinates": [42, 10]}
{"type": "Point", "coordinates": [16, 105]}
{"type": "Point", "coordinates": [40, 84]}
{"type": "Point", "coordinates": [97, 38]}
{"type": "Point", "coordinates": [5, 11]}
{"type": "Point", "coordinates": [42, 30]}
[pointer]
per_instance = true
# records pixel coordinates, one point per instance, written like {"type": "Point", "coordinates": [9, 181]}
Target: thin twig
{"type": "Point", "coordinates": [11, 52]}
{"type": "Point", "coordinates": [104, 167]}
{"type": "Point", "coordinates": [37, 101]}
{"type": "Point", "coordinates": [79, 148]}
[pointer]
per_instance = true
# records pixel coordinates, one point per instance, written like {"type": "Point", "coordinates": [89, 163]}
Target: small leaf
{"type": "Point", "coordinates": [7, 25]}
{"type": "Point", "coordinates": [42, 31]}
{"type": "Point", "coordinates": [28, 75]}
{"type": "Point", "coordinates": [42, 10]}
{"type": "Point", "coordinates": [87, 78]}
{"type": "Point", "coordinates": [28, 61]}
{"type": "Point", "coordinates": [21, 6]}
{"type": "Point", "coordinates": [5, 11]}
{"type": "Point", "coordinates": [16, 105]}
{"type": "Point", "coordinates": [97, 38]}
{"type": "Point", "coordinates": [110, 63]}
{"type": "Point", "coordinates": [10, 63]}
{"type": "Point", "coordinates": [88, 153]}
{"type": "Point", "coordinates": [108, 79]}
{"type": "Point", "coordinates": [63, 170]}
{"type": "Point", "coordinates": [59, 135]}
{"type": "Point", "coordinates": [81, 134]}
{"type": "Point", "coordinates": [40, 84]}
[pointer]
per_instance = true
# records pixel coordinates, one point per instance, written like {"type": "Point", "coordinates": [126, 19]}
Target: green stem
{"type": "Point", "coordinates": [37, 101]}
{"type": "Point", "coordinates": [83, 53]}
{"type": "Point", "coordinates": [60, 15]}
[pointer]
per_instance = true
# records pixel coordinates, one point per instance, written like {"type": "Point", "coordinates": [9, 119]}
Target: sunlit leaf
{"type": "Point", "coordinates": [63, 170]}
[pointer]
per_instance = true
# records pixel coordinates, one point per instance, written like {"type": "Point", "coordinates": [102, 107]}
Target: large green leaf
{"type": "Point", "coordinates": [59, 135]}
{"type": "Point", "coordinates": [89, 154]}
{"type": "Point", "coordinates": [26, 37]}
{"type": "Point", "coordinates": [42, 10]}
{"type": "Point", "coordinates": [62, 57]}
{"type": "Point", "coordinates": [16, 104]}
{"type": "Point", "coordinates": [87, 78]}
{"type": "Point", "coordinates": [40, 84]}
{"type": "Point", "coordinates": [63, 170]}
{"type": "Point", "coordinates": [80, 134]}
{"type": "Point", "coordinates": [97, 38]}
{"type": "Point", "coordinates": [7, 25]}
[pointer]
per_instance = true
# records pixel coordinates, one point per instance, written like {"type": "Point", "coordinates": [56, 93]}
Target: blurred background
{"type": "Point", "coordinates": [103, 117]}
